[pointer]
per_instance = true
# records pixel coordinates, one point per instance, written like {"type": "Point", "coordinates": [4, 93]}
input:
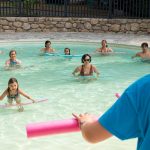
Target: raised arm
{"type": "Point", "coordinates": [25, 95]}
{"type": "Point", "coordinates": [91, 129]}
{"type": "Point", "coordinates": [3, 95]}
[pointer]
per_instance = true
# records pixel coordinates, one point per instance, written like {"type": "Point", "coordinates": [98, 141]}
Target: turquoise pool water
{"type": "Point", "coordinates": [51, 77]}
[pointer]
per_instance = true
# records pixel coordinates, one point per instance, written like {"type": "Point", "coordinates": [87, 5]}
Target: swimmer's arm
{"type": "Point", "coordinates": [18, 62]}
{"type": "Point", "coordinates": [42, 49]}
{"type": "Point", "coordinates": [110, 50]}
{"type": "Point", "coordinates": [25, 95]}
{"type": "Point", "coordinates": [95, 70]}
{"type": "Point", "coordinates": [7, 63]}
{"type": "Point", "coordinates": [91, 129]}
{"type": "Point", "coordinates": [53, 50]}
{"type": "Point", "coordinates": [98, 50]}
{"type": "Point", "coordinates": [76, 71]}
{"type": "Point", "coordinates": [136, 55]}
{"type": "Point", "coordinates": [3, 95]}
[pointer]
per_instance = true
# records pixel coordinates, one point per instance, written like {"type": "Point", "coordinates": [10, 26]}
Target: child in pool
{"type": "Point", "coordinates": [145, 54]}
{"type": "Point", "coordinates": [48, 48]}
{"type": "Point", "coordinates": [12, 61]}
{"type": "Point", "coordinates": [104, 49]}
{"type": "Point", "coordinates": [13, 93]}
{"type": "Point", "coordinates": [67, 51]}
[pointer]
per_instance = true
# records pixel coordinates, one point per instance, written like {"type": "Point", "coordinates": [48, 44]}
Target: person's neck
{"type": "Point", "coordinates": [47, 48]}
{"type": "Point", "coordinates": [13, 59]}
{"type": "Point", "coordinates": [145, 51]}
{"type": "Point", "coordinates": [103, 47]}
{"type": "Point", "coordinates": [87, 64]}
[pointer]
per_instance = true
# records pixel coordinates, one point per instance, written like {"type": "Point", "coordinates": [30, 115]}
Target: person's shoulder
{"type": "Point", "coordinates": [7, 61]}
{"type": "Point", "coordinates": [99, 49]}
{"type": "Point", "coordinates": [139, 54]}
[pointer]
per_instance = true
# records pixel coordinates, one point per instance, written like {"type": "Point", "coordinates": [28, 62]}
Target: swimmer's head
{"type": "Point", "coordinates": [67, 51]}
{"type": "Point", "coordinates": [104, 43]}
{"type": "Point", "coordinates": [12, 54]}
{"type": "Point", "coordinates": [12, 85]}
{"type": "Point", "coordinates": [144, 45]}
{"type": "Point", "coordinates": [47, 43]}
{"type": "Point", "coordinates": [86, 57]}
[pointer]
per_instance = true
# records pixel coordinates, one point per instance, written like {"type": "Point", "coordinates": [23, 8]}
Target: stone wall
{"type": "Point", "coordinates": [50, 24]}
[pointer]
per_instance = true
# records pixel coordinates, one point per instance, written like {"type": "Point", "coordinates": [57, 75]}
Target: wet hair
{"type": "Point", "coordinates": [144, 45]}
{"type": "Point", "coordinates": [47, 42]}
{"type": "Point", "coordinates": [11, 52]}
{"type": "Point", "coordinates": [105, 42]}
{"type": "Point", "coordinates": [68, 49]}
{"type": "Point", "coordinates": [84, 56]}
{"type": "Point", "coordinates": [12, 80]}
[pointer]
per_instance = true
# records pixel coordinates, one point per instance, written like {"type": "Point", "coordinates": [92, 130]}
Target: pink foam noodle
{"type": "Point", "coordinates": [52, 127]}
{"type": "Point", "coordinates": [117, 95]}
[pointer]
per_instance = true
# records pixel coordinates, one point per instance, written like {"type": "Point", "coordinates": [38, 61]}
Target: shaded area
{"type": "Point", "coordinates": [76, 8]}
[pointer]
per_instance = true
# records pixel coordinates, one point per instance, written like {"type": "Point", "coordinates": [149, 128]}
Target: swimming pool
{"type": "Point", "coordinates": [51, 77]}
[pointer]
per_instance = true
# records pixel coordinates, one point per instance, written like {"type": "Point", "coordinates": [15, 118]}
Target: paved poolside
{"type": "Point", "coordinates": [127, 39]}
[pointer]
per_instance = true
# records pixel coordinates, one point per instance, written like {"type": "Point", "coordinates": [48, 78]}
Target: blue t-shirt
{"type": "Point", "coordinates": [129, 117]}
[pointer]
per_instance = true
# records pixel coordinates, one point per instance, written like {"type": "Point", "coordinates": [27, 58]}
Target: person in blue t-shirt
{"type": "Point", "coordinates": [128, 117]}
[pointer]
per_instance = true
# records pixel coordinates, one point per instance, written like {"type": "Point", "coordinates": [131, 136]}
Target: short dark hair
{"type": "Point", "coordinates": [11, 52]}
{"type": "Point", "coordinates": [47, 42]}
{"type": "Point", "coordinates": [144, 44]}
{"type": "Point", "coordinates": [83, 58]}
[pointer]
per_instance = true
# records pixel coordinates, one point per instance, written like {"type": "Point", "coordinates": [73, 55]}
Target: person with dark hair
{"type": "Point", "coordinates": [13, 93]}
{"type": "Point", "coordinates": [67, 51]}
{"type": "Point", "coordinates": [12, 61]}
{"type": "Point", "coordinates": [86, 69]}
{"type": "Point", "coordinates": [127, 118]}
{"type": "Point", "coordinates": [48, 48]}
{"type": "Point", "coordinates": [145, 54]}
{"type": "Point", "coordinates": [104, 49]}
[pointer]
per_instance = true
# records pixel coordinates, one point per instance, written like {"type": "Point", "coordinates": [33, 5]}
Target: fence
{"type": "Point", "coordinates": [76, 8]}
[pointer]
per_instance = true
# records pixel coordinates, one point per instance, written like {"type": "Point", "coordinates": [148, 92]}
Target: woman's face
{"type": "Point", "coordinates": [48, 45]}
{"type": "Point", "coordinates": [104, 43]}
{"type": "Point", "coordinates": [86, 60]}
{"type": "Point", "coordinates": [67, 52]}
{"type": "Point", "coordinates": [13, 55]}
{"type": "Point", "coordinates": [144, 48]}
{"type": "Point", "coordinates": [13, 86]}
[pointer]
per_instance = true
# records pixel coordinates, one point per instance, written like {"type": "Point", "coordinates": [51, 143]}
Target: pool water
{"type": "Point", "coordinates": [51, 77]}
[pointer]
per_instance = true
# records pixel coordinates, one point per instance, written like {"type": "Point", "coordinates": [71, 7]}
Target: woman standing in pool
{"type": "Point", "coordinates": [12, 61]}
{"type": "Point", "coordinates": [48, 48]}
{"type": "Point", "coordinates": [104, 49]}
{"type": "Point", "coordinates": [13, 93]}
{"type": "Point", "coordinates": [86, 69]}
